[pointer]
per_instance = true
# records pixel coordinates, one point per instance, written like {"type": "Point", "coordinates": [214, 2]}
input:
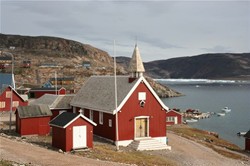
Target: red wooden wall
{"type": "Point", "coordinates": [247, 144]}
{"type": "Point", "coordinates": [38, 94]}
{"type": "Point", "coordinates": [174, 114]}
{"type": "Point", "coordinates": [33, 126]}
{"type": "Point", "coordinates": [15, 97]}
{"type": "Point", "coordinates": [132, 109]}
{"type": "Point", "coordinates": [62, 138]}
{"type": "Point", "coordinates": [126, 118]}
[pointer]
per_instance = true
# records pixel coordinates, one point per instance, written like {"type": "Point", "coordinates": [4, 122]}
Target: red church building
{"type": "Point", "coordinates": [129, 115]}
{"type": "Point", "coordinates": [6, 95]}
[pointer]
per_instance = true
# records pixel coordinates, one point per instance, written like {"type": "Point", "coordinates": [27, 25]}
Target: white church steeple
{"type": "Point", "coordinates": [136, 67]}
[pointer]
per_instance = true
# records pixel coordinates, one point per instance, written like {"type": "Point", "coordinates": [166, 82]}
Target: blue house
{"type": "Point", "coordinates": [7, 79]}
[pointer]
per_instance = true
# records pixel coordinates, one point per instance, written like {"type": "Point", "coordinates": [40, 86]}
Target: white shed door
{"type": "Point", "coordinates": [79, 137]}
{"type": "Point", "coordinates": [175, 120]}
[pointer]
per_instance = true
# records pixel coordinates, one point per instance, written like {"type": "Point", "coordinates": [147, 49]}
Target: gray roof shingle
{"type": "Point", "coordinates": [66, 118]}
{"type": "Point", "coordinates": [63, 119]}
{"type": "Point", "coordinates": [98, 93]}
{"type": "Point", "coordinates": [54, 101]}
{"type": "Point", "coordinates": [33, 111]}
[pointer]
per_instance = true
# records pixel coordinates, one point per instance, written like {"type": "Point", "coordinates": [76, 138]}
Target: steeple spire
{"type": "Point", "coordinates": [136, 67]}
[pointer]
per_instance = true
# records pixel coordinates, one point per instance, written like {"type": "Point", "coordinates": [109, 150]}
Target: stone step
{"type": "Point", "coordinates": [148, 144]}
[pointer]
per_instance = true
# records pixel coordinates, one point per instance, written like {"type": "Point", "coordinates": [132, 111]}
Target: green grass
{"type": "Point", "coordinates": [108, 153]}
{"type": "Point", "coordinates": [221, 146]}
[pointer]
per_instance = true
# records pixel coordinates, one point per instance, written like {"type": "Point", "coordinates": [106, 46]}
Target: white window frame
{"type": "Point", "coordinates": [110, 122]}
{"type": "Point", "coordinates": [170, 119]}
{"type": "Point", "coordinates": [100, 117]}
{"type": "Point", "coordinates": [15, 103]}
{"type": "Point", "coordinates": [8, 94]}
{"type": "Point", "coordinates": [2, 104]}
{"type": "Point", "coordinates": [142, 96]}
{"type": "Point", "coordinates": [91, 115]}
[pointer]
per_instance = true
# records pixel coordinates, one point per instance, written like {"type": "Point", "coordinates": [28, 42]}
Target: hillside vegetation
{"type": "Point", "coordinates": [67, 55]}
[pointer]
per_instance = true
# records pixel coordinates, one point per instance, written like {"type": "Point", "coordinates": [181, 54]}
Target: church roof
{"type": "Point", "coordinates": [136, 64]}
{"type": "Point", "coordinates": [98, 93]}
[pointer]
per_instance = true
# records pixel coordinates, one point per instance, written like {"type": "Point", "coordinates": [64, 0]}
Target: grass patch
{"type": "Point", "coordinates": [8, 163]}
{"type": "Point", "coordinates": [108, 153]}
{"type": "Point", "coordinates": [209, 139]}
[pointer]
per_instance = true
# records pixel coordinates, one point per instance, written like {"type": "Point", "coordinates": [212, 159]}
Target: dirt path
{"type": "Point", "coordinates": [25, 153]}
{"type": "Point", "coordinates": [187, 152]}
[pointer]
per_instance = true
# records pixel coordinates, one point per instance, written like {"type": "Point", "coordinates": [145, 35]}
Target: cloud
{"type": "Point", "coordinates": [218, 49]}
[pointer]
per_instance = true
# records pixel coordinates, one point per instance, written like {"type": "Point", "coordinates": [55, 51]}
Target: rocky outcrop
{"type": "Point", "coordinates": [209, 66]}
{"type": "Point", "coordinates": [162, 90]}
{"type": "Point", "coordinates": [67, 54]}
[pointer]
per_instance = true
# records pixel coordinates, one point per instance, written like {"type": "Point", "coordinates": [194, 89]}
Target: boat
{"type": "Point", "coordinates": [191, 120]}
{"type": "Point", "coordinates": [221, 114]}
{"type": "Point", "coordinates": [226, 110]}
{"type": "Point", "coordinates": [241, 133]}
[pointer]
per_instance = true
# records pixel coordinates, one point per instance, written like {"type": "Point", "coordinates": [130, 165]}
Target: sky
{"type": "Point", "coordinates": [161, 29]}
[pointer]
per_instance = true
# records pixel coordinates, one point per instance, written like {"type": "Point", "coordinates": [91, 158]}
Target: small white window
{"type": "Point", "coordinates": [2, 104]}
{"type": "Point", "coordinates": [15, 103]}
{"type": "Point", "coordinates": [110, 122]}
{"type": "Point", "coordinates": [100, 117]}
{"type": "Point", "coordinates": [170, 119]}
{"type": "Point", "coordinates": [8, 94]}
{"type": "Point", "coordinates": [91, 115]}
{"type": "Point", "coordinates": [142, 96]}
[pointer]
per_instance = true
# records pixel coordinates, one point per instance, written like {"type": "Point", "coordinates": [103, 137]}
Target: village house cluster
{"type": "Point", "coordinates": [122, 109]}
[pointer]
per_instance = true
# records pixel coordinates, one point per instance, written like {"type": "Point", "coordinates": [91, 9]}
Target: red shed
{"type": "Point", "coordinates": [72, 131]}
{"type": "Point", "coordinates": [5, 99]}
{"type": "Point", "coordinates": [173, 117]}
{"type": "Point", "coordinates": [247, 141]}
{"type": "Point", "coordinates": [32, 120]}
{"type": "Point", "coordinates": [140, 114]}
{"type": "Point", "coordinates": [38, 92]}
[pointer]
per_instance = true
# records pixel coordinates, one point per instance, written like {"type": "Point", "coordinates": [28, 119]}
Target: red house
{"type": "Point", "coordinates": [5, 99]}
{"type": "Point", "coordinates": [247, 141]}
{"type": "Point", "coordinates": [56, 103]}
{"type": "Point", "coordinates": [138, 115]}
{"type": "Point", "coordinates": [33, 120]}
{"type": "Point", "coordinates": [38, 92]}
{"type": "Point", "coordinates": [173, 117]}
{"type": "Point", "coordinates": [72, 131]}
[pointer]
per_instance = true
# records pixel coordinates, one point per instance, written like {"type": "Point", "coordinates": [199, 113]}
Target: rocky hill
{"type": "Point", "coordinates": [208, 66]}
{"type": "Point", "coordinates": [50, 55]}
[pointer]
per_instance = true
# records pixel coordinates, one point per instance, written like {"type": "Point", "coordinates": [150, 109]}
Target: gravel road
{"type": "Point", "coordinates": [25, 153]}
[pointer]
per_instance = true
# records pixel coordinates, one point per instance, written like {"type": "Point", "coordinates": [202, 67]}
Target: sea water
{"type": "Point", "coordinates": [212, 96]}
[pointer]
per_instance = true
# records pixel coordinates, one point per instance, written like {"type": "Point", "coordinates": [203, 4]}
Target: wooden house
{"type": "Point", "coordinates": [26, 64]}
{"type": "Point", "coordinates": [247, 141]}
{"type": "Point", "coordinates": [38, 92]}
{"type": "Point", "coordinates": [62, 81]}
{"type": "Point", "coordinates": [138, 115]}
{"type": "Point", "coordinates": [33, 120]}
{"type": "Point", "coordinates": [173, 117]}
{"type": "Point", "coordinates": [6, 95]}
{"type": "Point", "coordinates": [7, 79]}
{"type": "Point", "coordinates": [56, 103]}
{"type": "Point", "coordinates": [5, 61]}
{"type": "Point", "coordinates": [72, 131]}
